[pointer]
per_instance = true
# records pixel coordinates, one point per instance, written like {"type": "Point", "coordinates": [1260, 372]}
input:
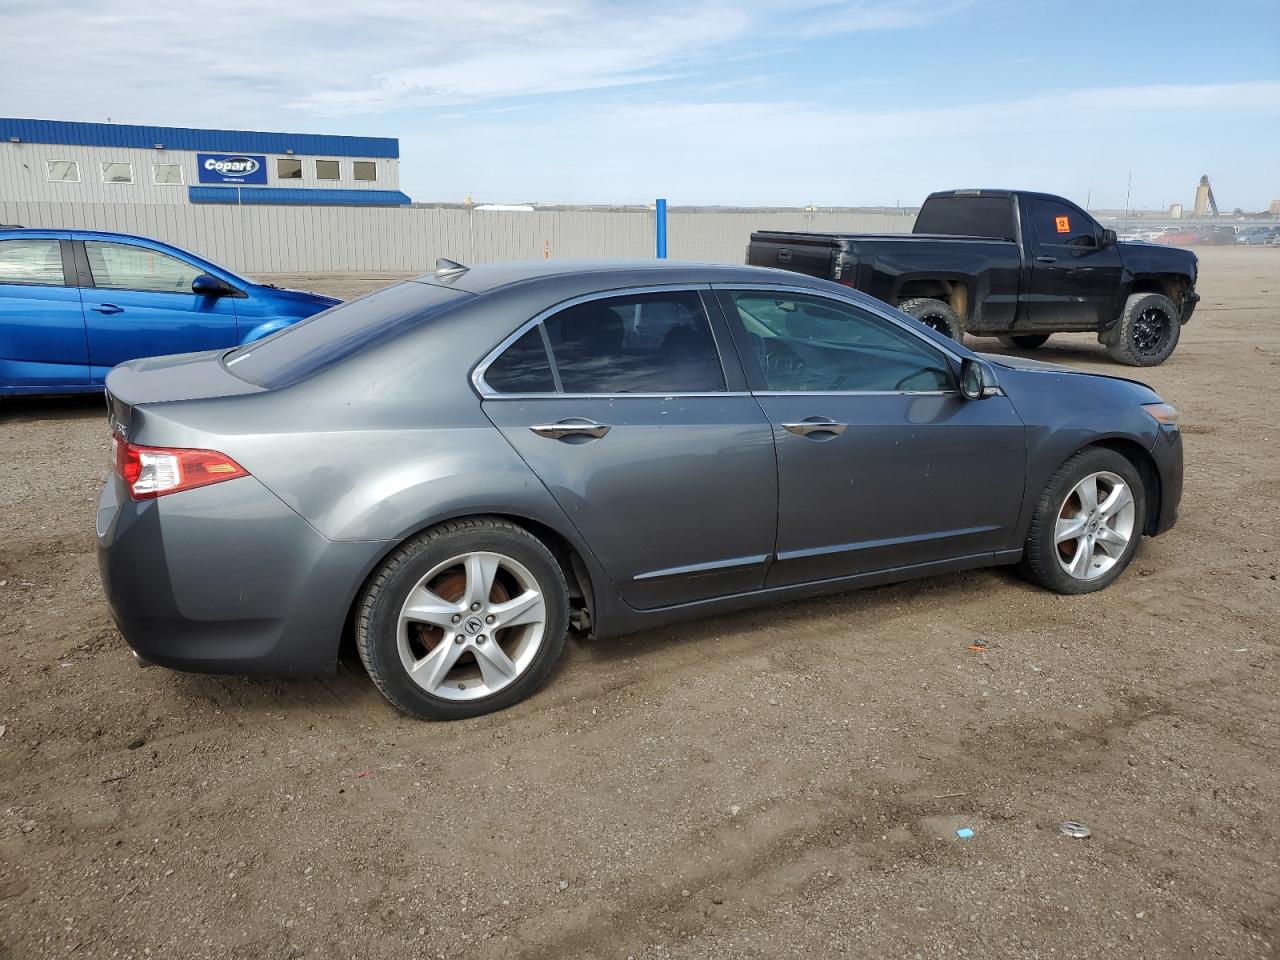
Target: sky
{"type": "Point", "coordinates": [753, 102]}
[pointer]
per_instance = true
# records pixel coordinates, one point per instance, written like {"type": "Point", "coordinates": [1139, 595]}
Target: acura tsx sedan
{"type": "Point", "coordinates": [458, 469]}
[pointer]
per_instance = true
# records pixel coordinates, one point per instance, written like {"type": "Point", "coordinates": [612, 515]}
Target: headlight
{"type": "Point", "coordinates": [1163, 413]}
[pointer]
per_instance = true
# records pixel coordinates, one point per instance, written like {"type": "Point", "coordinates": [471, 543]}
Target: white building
{"type": "Point", "coordinates": [52, 160]}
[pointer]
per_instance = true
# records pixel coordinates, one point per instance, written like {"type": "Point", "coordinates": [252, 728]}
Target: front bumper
{"type": "Point", "coordinates": [1167, 454]}
{"type": "Point", "coordinates": [226, 579]}
{"type": "Point", "coordinates": [1189, 305]}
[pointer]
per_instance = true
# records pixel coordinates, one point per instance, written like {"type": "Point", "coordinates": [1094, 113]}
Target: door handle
{"type": "Point", "coordinates": [815, 425]}
{"type": "Point", "coordinates": [1046, 259]}
{"type": "Point", "coordinates": [570, 428]}
{"type": "Point", "coordinates": [108, 308]}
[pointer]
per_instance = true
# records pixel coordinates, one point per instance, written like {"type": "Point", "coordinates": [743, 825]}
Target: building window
{"type": "Point", "coordinates": [116, 172]}
{"type": "Point", "coordinates": [328, 170]}
{"type": "Point", "coordinates": [167, 173]}
{"type": "Point", "coordinates": [366, 170]}
{"type": "Point", "coordinates": [62, 171]}
{"type": "Point", "coordinates": [288, 168]}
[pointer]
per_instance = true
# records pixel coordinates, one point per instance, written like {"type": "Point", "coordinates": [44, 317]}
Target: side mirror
{"type": "Point", "coordinates": [1108, 239]}
{"type": "Point", "coordinates": [207, 285]}
{"type": "Point", "coordinates": [973, 379]}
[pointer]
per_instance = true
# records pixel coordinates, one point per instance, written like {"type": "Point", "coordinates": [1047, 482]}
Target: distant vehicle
{"type": "Point", "coordinates": [457, 468]}
{"type": "Point", "coordinates": [1015, 265]}
{"type": "Point", "coordinates": [74, 303]}
{"type": "Point", "coordinates": [1258, 236]}
{"type": "Point", "coordinates": [1177, 237]}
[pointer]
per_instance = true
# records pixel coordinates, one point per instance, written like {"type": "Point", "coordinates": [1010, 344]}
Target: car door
{"type": "Point", "coordinates": [882, 464]}
{"type": "Point", "coordinates": [1075, 280]}
{"type": "Point", "coordinates": [42, 335]}
{"type": "Point", "coordinates": [632, 410]}
{"type": "Point", "coordinates": [139, 303]}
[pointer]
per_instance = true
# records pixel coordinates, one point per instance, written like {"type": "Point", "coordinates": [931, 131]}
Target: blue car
{"type": "Point", "coordinates": [74, 303]}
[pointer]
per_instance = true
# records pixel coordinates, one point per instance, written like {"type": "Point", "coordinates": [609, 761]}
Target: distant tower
{"type": "Point", "coordinates": [1204, 198]}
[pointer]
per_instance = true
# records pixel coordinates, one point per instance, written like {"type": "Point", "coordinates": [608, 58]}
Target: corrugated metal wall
{"type": "Point", "coordinates": [328, 239]}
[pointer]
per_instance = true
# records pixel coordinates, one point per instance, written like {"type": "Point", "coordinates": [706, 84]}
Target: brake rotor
{"type": "Point", "coordinates": [452, 586]}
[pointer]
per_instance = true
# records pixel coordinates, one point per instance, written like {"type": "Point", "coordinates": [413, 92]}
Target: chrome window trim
{"type": "Point", "coordinates": [615, 396]}
{"type": "Point", "coordinates": [488, 393]}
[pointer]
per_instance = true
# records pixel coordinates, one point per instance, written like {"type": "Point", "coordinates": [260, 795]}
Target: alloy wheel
{"type": "Point", "coordinates": [1095, 525]}
{"type": "Point", "coordinates": [471, 626]}
{"type": "Point", "coordinates": [1150, 331]}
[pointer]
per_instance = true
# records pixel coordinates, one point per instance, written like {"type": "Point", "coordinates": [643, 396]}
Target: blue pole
{"type": "Point", "coordinates": [662, 228]}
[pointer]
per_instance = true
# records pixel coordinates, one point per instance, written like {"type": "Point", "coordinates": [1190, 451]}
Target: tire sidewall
{"type": "Point", "coordinates": [1123, 347]}
{"type": "Point", "coordinates": [378, 620]}
{"type": "Point", "coordinates": [921, 307]}
{"type": "Point", "coordinates": [1041, 552]}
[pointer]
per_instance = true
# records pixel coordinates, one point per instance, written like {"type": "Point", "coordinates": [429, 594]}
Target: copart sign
{"type": "Point", "coordinates": [231, 168]}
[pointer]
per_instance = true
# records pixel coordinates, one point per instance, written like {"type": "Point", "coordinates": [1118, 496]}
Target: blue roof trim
{"type": "Point", "coordinates": [297, 195]}
{"type": "Point", "coordinates": [189, 138]}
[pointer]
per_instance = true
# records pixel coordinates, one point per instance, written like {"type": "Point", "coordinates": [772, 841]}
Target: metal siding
{"type": "Point", "coordinates": [287, 239]}
{"type": "Point", "coordinates": [190, 138]}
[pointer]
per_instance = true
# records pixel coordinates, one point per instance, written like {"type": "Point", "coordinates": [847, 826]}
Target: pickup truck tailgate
{"type": "Point", "coordinates": [797, 252]}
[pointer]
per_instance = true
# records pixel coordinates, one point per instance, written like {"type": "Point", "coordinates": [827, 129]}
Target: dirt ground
{"type": "Point", "coordinates": [779, 783]}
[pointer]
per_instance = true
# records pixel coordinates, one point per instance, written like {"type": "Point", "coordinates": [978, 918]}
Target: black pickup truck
{"type": "Point", "coordinates": [1009, 264]}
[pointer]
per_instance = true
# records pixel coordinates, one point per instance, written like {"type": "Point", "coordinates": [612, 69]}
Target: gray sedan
{"type": "Point", "coordinates": [458, 469]}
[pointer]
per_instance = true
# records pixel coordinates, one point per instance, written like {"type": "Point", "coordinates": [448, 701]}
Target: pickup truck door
{"type": "Point", "coordinates": [881, 463]}
{"type": "Point", "coordinates": [1075, 280]}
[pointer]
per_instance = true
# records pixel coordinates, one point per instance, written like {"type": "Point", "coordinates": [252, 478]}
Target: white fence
{"type": "Point", "coordinates": [261, 239]}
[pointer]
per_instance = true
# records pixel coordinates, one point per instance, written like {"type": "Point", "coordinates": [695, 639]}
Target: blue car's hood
{"type": "Point", "coordinates": [297, 296]}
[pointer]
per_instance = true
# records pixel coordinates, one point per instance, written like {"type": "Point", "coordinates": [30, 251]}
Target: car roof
{"type": "Point", "coordinates": [603, 274]}
{"type": "Point", "coordinates": [65, 233]}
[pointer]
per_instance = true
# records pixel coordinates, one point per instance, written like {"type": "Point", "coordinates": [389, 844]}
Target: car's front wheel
{"type": "Point", "coordinates": [1087, 523]}
{"type": "Point", "coordinates": [467, 618]}
{"type": "Point", "coordinates": [936, 314]}
{"type": "Point", "coordinates": [1147, 331]}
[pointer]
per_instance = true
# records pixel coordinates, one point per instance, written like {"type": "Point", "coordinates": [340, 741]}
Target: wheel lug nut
{"type": "Point", "coordinates": [475, 606]}
{"type": "Point", "coordinates": [459, 639]}
{"type": "Point", "coordinates": [490, 618]}
{"type": "Point", "coordinates": [457, 617]}
{"type": "Point", "coordinates": [481, 639]}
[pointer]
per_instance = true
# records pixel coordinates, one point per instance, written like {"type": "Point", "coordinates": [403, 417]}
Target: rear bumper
{"type": "Point", "coordinates": [1167, 454]}
{"type": "Point", "coordinates": [226, 579]}
{"type": "Point", "coordinates": [1189, 305]}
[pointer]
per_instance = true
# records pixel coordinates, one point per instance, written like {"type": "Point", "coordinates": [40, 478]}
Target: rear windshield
{"type": "Point", "coordinates": [967, 217]}
{"type": "Point", "coordinates": [320, 341]}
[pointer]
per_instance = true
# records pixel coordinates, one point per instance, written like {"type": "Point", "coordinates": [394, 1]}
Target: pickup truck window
{"type": "Point", "coordinates": [967, 217]}
{"type": "Point", "coordinates": [1058, 223]}
{"type": "Point", "coordinates": [809, 343]}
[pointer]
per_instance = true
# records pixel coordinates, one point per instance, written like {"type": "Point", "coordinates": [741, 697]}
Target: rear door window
{"type": "Point", "coordinates": [32, 262]}
{"type": "Point", "coordinates": [638, 343]}
{"type": "Point", "coordinates": [523, 367]}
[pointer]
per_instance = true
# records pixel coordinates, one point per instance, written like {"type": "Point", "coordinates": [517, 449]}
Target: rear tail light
{"type": "Point", "coordinates": [151, 472]}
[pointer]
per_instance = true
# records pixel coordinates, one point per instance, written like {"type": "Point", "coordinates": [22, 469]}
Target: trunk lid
{"type": "Point", "coordinates": [158, 380]}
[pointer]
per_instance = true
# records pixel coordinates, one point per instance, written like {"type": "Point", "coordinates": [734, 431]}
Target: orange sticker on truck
{"type": "Point", "coordinates": [1064, 224]}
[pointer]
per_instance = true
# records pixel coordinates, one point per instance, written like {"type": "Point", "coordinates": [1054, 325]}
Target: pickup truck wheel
{"type": "Point", "coordinates": [1025, 341]}
{"type": "Point", "coordinates": [1147, 331]}
{"type": "Point", "coordinates": [935, 314]}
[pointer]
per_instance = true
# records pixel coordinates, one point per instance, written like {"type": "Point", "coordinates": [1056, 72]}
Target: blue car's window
{"type": "Point", "coordinates": [807, 343]}
{"type": "Point", "coordinates": [119, 266]}
{"type": "Point", "coordinates": [31, 261]}
{"type": "Point", "coordinates": [327, 338]}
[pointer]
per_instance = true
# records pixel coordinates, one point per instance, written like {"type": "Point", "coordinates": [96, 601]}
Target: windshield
{"type": "Point", "coordinates": [327, 338]}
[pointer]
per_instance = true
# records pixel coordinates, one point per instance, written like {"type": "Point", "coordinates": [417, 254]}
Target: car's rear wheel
{"type": "Point", "coordinates": [1147, 331]}
{"type": "Point", "coordinates": [1087, 523]}
{"type": "Point", "coordinates": [935, 314]}
{"type": "Point", "coordinates": [1025, 341]}
{"type": "Point", "coordinates": [467, 618]}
